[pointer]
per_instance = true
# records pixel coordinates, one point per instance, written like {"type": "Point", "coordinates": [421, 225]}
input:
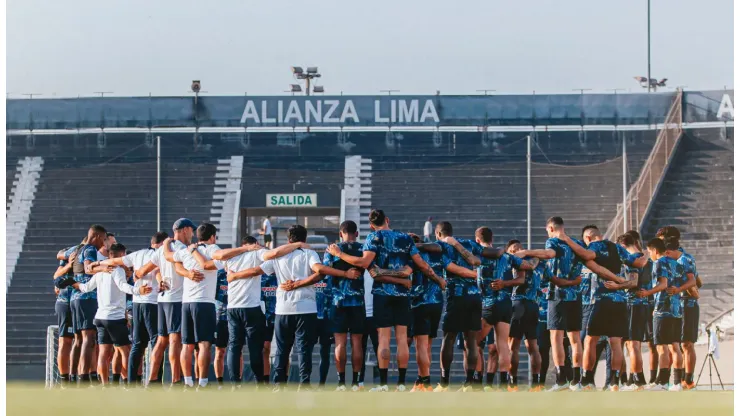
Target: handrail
{"type": "Point", "coordinates": [642, 193]}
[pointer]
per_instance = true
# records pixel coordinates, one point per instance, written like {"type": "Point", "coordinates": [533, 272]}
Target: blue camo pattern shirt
{"type": "Point", "coordinates": [456, 285]}
{"type": "Point", "coordinates": [562, 267]}
{"type": "Point", "coordinates": [346, 292]}
{"type": "Point", "coordinates": [424, 291]}
{"type": "Point", "coordinates": [667, 306]}
{"type": "Point", "coordinates": [647, 284]}
{"type": "Point", "coordinates": [88, 253]}
{"type": "Point", "coordinates": [598, 289]}
{"type": "Point", "coordinates": [269, 287]}
{"type": "Point", "coordinates": [687, 262]}
{"type": "Point", "coordinates": [532, 288]}
{"type": "Point", "coordinates": [393, 250]}
{"type": "Point", "coordinates": [323, 297]}
{"type": "Point", "coordinates": [66, 294]}
{"type": "Point", "coordinates": [543, 293]}
{"type": "Point", "coordinates": [222, 294]}
{"type": "Point", "coordinates": [491, 270]}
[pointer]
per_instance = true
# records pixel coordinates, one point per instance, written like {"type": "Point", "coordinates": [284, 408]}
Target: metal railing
{"type": "Point", "coordinates": [642, 193]}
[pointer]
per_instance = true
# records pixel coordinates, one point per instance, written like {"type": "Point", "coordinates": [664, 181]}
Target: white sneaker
{"type": "Point", "coordinates": [488, 389]}
{"type": "Point", "coordinates": [631, 387]}
{"type": "Point", "coordinates": [575, 387]}
{"type": "Point", "coordinates": [559, 387]}
{"type": "Point", "coordinates": [657, 387]}
{"type": "Point", "coordinates": [379, 389]}
{"type": "Point", "coordinates": [356, 388]}
{"type": "Point", "coordinates": [676, 387]}
{"type": "Point", "coordinates": [401, 388]}
{"type": "Point", "coordinates": [341, 388]}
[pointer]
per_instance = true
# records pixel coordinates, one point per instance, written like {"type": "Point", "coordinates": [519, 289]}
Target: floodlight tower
{"type": "Point", "coordinates": [310, 73]}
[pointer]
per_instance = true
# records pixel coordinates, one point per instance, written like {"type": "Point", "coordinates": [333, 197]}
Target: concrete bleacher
{"type": "Point", "coordinates": [697, 197]}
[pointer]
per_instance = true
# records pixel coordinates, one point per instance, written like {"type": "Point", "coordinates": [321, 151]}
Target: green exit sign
{"type": "Point", "coordinates": [291, 200]}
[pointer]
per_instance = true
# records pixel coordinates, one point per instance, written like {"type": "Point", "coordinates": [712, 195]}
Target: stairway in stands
{"type": "Point", "coordinates": [697, 197]}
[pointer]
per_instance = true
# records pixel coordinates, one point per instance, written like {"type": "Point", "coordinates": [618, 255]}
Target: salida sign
{"type": "Point", "coordinates": [291, 200]}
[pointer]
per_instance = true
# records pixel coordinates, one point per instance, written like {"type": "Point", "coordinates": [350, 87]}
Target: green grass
{"type": "Point", "coordinates": [34, 400]}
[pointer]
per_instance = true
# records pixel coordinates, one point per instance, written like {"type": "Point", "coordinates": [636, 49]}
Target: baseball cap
{"type": "Point", "coordinates": [183, 223]}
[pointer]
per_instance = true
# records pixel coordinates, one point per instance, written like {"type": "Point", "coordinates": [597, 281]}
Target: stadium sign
{"type": "Point", "coordinates": [291, 200]}
{"type": "Point", "coordinates": [315, 112]}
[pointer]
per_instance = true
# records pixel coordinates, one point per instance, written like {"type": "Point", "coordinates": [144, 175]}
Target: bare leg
{"type": "Point", "coordinates": [104, 359]}
{"type": "Point", "coordinates": [204, 359]}
{"type": "Point", "coordinates": [157, 357]}
{"type": "Point", "coordinates": [174, 356]}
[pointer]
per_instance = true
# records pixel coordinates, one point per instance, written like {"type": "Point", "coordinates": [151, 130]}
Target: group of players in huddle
{"type": "Point", "coordinates": [574, 297]}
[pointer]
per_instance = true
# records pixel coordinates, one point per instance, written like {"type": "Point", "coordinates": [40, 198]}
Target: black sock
{"type": "Point", "coordinates": [73, 378]}
{"type": "Point", "coordinates": [355, 378]}
{"type": "Point", "coordinates": [340, 376]}
{"type": "Point", "coordinates": [663, 375]}
{"type": "Point", "coordinates": [503, 378]}
{"type": "Point", "coordinates": [383, 376]}
{"type": "Point", "coordinates": [426, 381]}
{"type": "Point", "coordinates": [94, 377]}
{"type": "Point", "coordinates": [266, 379]}
{"type": "Point", "coordinates": [84, 377]}
{"type": "Point", "coordinates": [591, 374]}
{"type": "Point", "coordinates": [614, 378]}
{"type": "Point", "coordinates": [401, 376]}
{"type": "Point", "coordinates": [445, 377]}
{"type": "Point", "coordinates": [689, 378]}
{"type": "Point", "coordinates": [220, 381]}
{"type": "Point", "coordinates": [640, 379]}
{"type": "Point", "coordinates": [676, 376]}
{"type": "Point", "coordinates": [514, 380]}
{"type": "Point", "coordinates": [628, 379]}
{"type": "Point", "coordinates": [64, 378]}
{"type": "Point", "coordinates": [469, 374]}
{"type": "Point", "coordinates": [653, 376]}
{"type": "Point", "coordinates": [683, 374]}
{"type": "Point", "coordinates": [479, 377]}
{"type": "Point", "coordinates": [576, 375]}
{"type": "Point", "coordinates": [534, 379]}
{"type": "Point", "coordinates": [560, 379]}
{"type": "Point", "coordinates": [543, 378]}
{"type": "Point", "coordinates": [489, 378]}
{"type": "Point", "coordinates": [623, 378]}
{"type": "Point", "coordinates": [116, 378]}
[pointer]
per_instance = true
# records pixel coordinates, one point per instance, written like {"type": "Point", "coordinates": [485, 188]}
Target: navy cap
{"type": "Point", "coordinates": [183, 223]}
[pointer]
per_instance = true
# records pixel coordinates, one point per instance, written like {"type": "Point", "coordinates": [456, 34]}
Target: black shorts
{"type": "Point", "coordinates": [169, 318]}
{"type": "Point", "coordinates": [690, 324]}
{"type": "Point", "coordinates": [64, 319]}
{"type": "Point", "coordinates": [198, 322]}
{"type": "Point", "coordinates": [144, 322]}
{"type": "Point", "coordinates": [221, 337]}
{"type": "Point", "coordinates": [498, 312]}
{"type": "Point", "coordinates": [347, 319]}
{"type": "Point", "coordinates": [426, 319]}
{"type": "Point", "coordinates": [114, 331]}
{"type": "Point", "coordinates": [390, 311]}
{"type": "Point", "coordinates": [524, 317]}
{"type": "Point", "coordinates": [268, 238]}
{"type": "Point", "coordinates": [83, 314]}
{"type": "Point", "coordinates": [463, 314]}
{"type": "Point", "coordinates": [324, 332]}
{"type": "Point", "coordinates": [564, 315]}
{"type": "Point", "coordinates": [639, 318]}
{"type": "Point", "coordinates": [666, 330]}
{"type": "Point", "coordinates": [609, 319]}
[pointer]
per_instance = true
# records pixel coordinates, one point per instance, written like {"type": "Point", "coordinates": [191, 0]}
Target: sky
{"type": "Point", "coordinates": [136, 47]}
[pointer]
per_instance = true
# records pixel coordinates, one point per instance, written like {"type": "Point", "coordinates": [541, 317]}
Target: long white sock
{"type": "Point", "coordinates": [203, 382]}
{"type": "Point", "coordinates": [188, 381]}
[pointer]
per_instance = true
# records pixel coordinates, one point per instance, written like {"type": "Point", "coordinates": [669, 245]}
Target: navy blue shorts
{"type": "Point", "coordinates": [198, 322]}
{"type": "Point", "coordinates": [390, 311]}
{"type": "Point", "coordinates": [463, 314]}
{"type": "Point", "coordinates": [83, 314]}
{"type": "Point", "coordinates": [269, 331]}
{"type": "Point", "coordinates": [609, 319]}
{"type": "Point", "coordinates": [346, 319]}
{"type": "Point", "coordinates": [114, 331]}
{"type": "Point", "coordinates": [245, 323]}
{"type": "Point", "coordinates": [524, 317]}
{"type": "Point", "coordinates": [426, 320]}
{"type": "Point", "coordinates": [324, 332]}
{"type": "Point", "coordinates": [144, 322]}
{"type": "Point", "coordinates": [690, 324]}
{"type": "Point", "coordinates": [666, 330]}
{"type": "Point", "coordinates": [169, 319]}
{"type": "Point", "coordinates": [64, 319]}
{"type": "Point", "coordinates": [564, 315]}
{"type": "Point", "coordinates": [498, 312]}
{"type": "Point", "coordinates": [221, 337]}
{"type": "Point", "coordinates": [639, 316]}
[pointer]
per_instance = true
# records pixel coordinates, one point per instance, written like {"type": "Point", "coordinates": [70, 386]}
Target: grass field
{"type": "Point", "coordinates": [34, 400]}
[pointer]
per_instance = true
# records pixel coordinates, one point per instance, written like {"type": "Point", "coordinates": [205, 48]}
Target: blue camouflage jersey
{"type": "Point", "coordinates": [599, 291]}
{"type": "Point", "coordinates": [687, 262]}
{"type": "Point", "coordinates": [532, 288]}
{"type": "Point", "coordinates": [393, 250]}
{"type": "Point", "coordinates": [66, 293]}
{"type": "Point", "coordinates": [456, 285]}
{"type": "Point", "coordinates": [424, 290]}
{"type": "Point", "coordinates": [644, 282]}
{"type": "Point", "coordinates": [544, 292]}
{"type": "Point", "coordinates": [345, 292]}
{"type": "Point", "coordinates": [269, 287]}
{"type": "Point", "coordinates": [562, 267]}
{"type": "Point", "coordinates": [222, 294]}
{"type": "Point", "coordinates": [491, 270]}
{"type": "Point", "coordinates": [88, 253]}
{"type": "Point", "coordinates": [667, 306]}
{"type": "Point", "coordinates": [323, 297]}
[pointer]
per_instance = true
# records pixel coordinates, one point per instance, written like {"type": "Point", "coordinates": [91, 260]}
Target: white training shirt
{"type": "Point", "coordinates": [101, 257]}
{"type": "Point", "coordinates": [295, 266]}
{"type": "Point", "coordinates": [205, 290]}
{"type": "Point", "coordinates": [267, 226]}
{"type": "Point", "coordinates": [368, 295]}
{"type": "Point", "coordinates": [245, 293]}
{"type": "Point", "coordinates": [137, 260]}
{"type": "Point", "coordinates": [167, 269]}
{"type": "Point", "coordinates": [112, 290]}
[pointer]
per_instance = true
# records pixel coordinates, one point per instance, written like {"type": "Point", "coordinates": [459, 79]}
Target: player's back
{"type": "Point", "coordinates": [204, 290]}
{"type": "Point", "coordinates": [667, 305]}
{"type": "Point", "coordinates": [345, 292]}
{"type": "Point", "coordinates": [393, 250]}
{"type": "Point", "coordinates": [424, 290]}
